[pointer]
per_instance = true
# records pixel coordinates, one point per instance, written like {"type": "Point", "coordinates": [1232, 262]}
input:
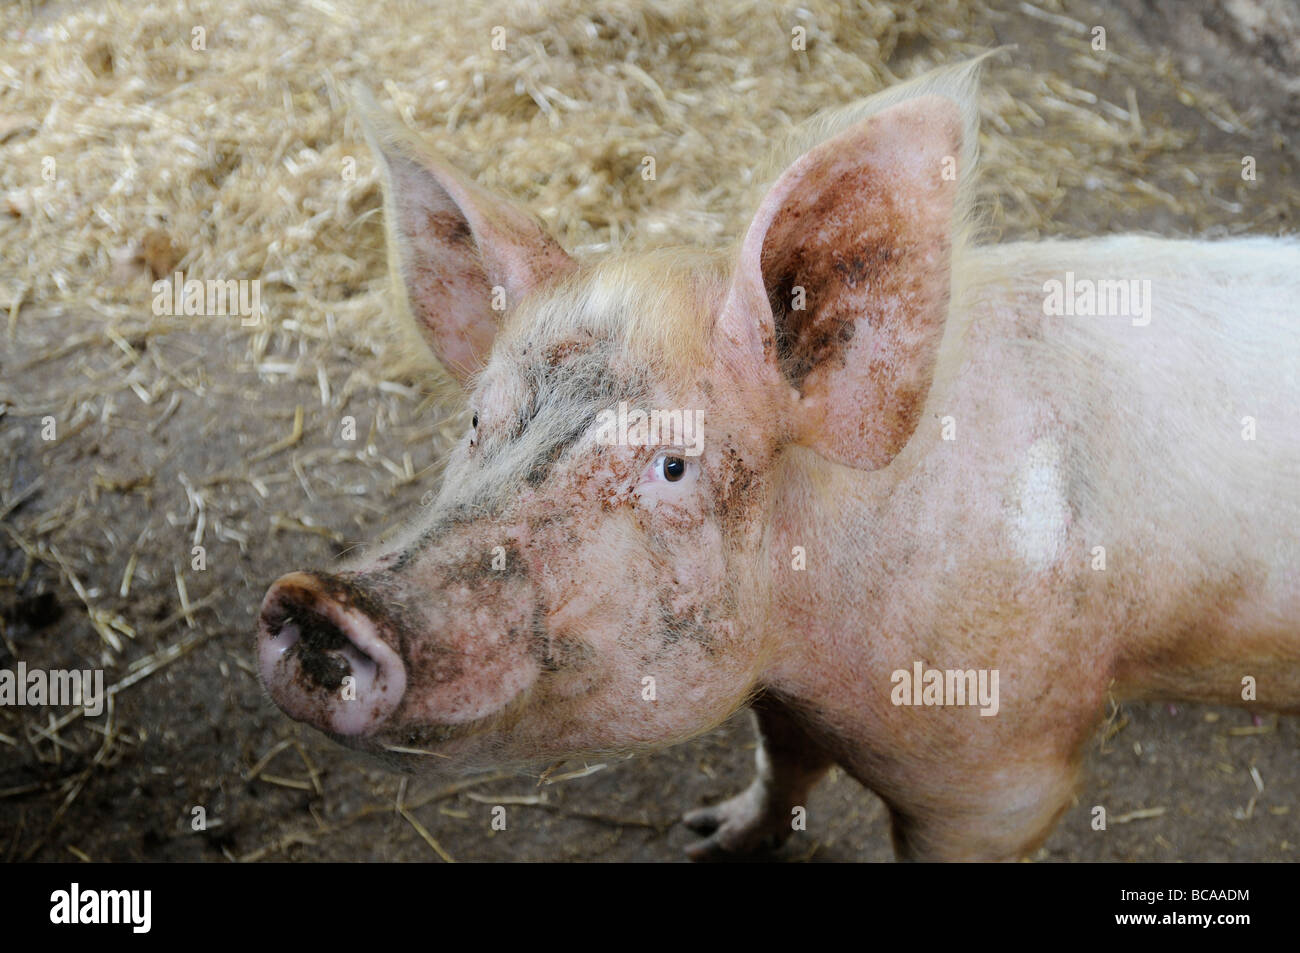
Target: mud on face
{"type": "Point", "coordinates": [564, 595]}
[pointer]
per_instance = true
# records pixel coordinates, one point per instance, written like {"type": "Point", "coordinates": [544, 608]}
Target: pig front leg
{"type": "Point", "coordinates": [759, 818]}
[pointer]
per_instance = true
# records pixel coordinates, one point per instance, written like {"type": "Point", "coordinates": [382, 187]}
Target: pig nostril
{"type": "Point", "coordinates": [281, 632]}
{"type": "Point", "coordinates": [313, 644]}
{"type": "Point", "coordinates": [321, 650]}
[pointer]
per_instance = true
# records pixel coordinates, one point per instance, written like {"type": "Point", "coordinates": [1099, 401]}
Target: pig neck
{"type": "Point", "coordinates": [838, 627]}
{"type": "Point", "coordinates": [836, 516]}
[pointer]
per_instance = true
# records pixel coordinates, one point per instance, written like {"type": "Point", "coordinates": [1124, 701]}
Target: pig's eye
{"type": "Point", "coordinates": [670, 478]}
{"type": "Point", "coordinates": [474, 423]}
{"type": "Point", "coordinates": [671, 467]}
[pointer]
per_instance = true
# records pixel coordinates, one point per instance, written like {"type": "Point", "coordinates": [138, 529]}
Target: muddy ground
{"type": "Point", "coordinates": [192, 726]}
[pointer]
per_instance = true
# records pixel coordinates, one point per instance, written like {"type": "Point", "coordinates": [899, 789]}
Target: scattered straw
{"type": "Point", "coordinates": [1142, 814]}
{"type": "Point", "coordinates": [427, 837]}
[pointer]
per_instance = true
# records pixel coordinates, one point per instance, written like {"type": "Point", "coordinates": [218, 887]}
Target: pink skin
{"type": "Point", "coordinates": [556, 579]}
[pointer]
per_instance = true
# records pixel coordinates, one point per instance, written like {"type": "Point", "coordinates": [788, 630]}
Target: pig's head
{"type": "Point", "coordinates": [573, 592]}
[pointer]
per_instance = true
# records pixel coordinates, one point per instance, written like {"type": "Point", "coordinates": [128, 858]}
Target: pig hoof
{"type": "Point", "coordinates": [735, 829]}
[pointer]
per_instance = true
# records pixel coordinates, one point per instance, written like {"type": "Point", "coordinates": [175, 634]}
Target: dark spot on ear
{"type": "Point", "coordinates": [450, 228]}
{"type": "Point", "coordinates": [821, 343]}
{"type": "Point", "coordinates": [835, 271]}
{"type": "Point", "coordinates": [864, 267]}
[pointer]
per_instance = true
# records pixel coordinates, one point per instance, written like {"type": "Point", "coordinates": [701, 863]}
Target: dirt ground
{"type": "Point", "coordinates": [130, 476]}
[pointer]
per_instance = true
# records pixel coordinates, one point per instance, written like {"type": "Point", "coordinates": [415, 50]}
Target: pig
{"type": "Point", "coordinates": [952, 499]}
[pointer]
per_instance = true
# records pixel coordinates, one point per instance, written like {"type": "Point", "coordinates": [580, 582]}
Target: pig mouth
{"type": "Point", "coordinates": [324, 662]}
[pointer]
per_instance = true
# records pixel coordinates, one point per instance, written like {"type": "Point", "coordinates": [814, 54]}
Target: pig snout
{"type": "Point", "coordinates": [324, 661]}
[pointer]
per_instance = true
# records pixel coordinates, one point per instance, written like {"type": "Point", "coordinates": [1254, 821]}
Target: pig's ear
{"type": "Point", "coordinates": [453, 248]}
{"type": "Point", "coordinates": [843, 280]}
